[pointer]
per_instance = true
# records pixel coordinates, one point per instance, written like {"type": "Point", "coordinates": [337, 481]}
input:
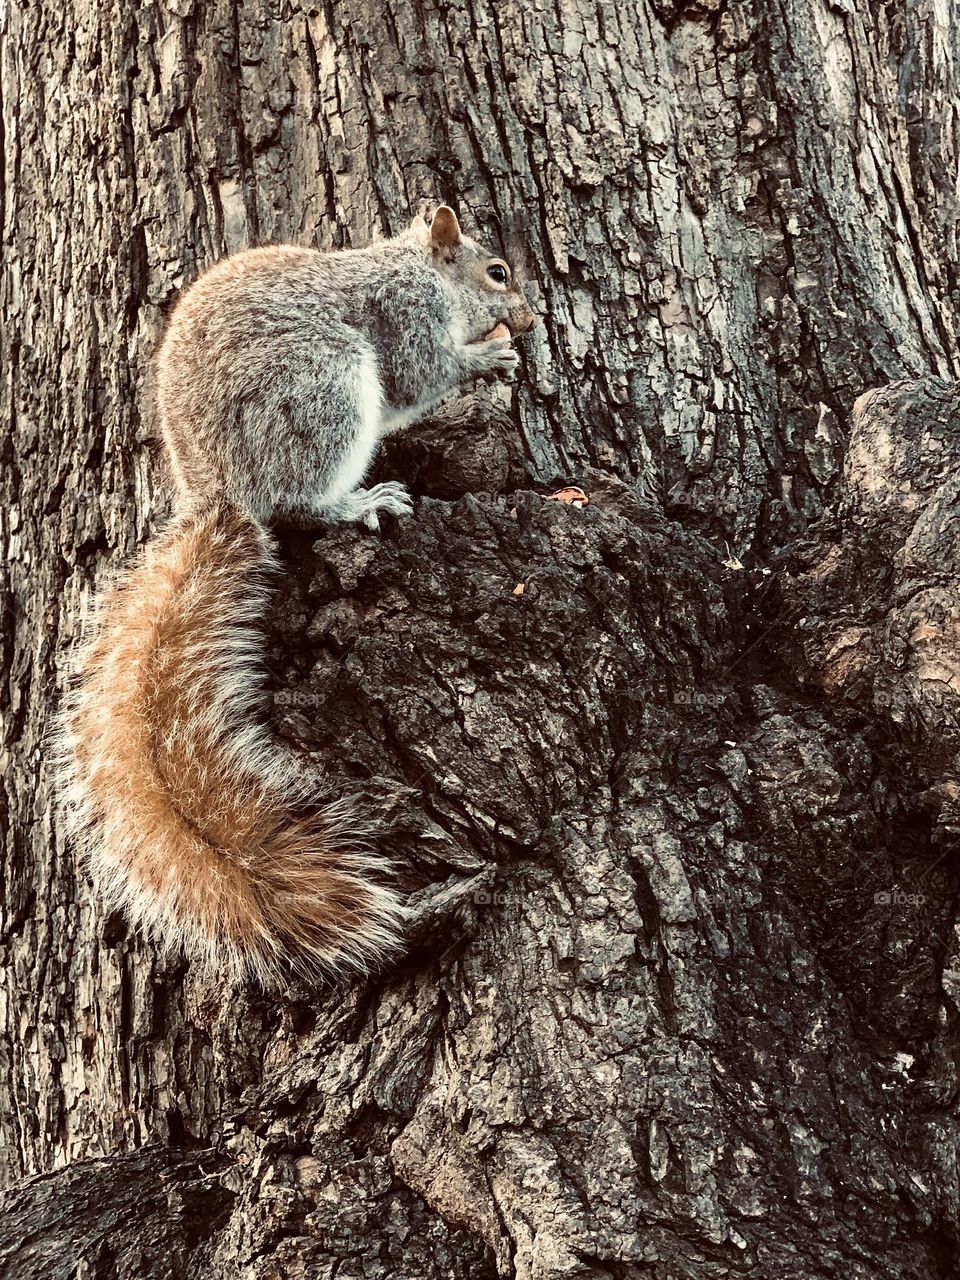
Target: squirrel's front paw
{"type": "Point", "coordinates": [497, 355]}
{"type": "Point", "coordinates": [391, 496]}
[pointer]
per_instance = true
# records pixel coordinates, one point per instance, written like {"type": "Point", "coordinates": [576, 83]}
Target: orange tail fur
{"type": "Point", "coordinates": [192, 820]}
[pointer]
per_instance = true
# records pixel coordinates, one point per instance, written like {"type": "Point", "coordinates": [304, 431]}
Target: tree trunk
{"type": "Point", "coordinates": [672, 779]}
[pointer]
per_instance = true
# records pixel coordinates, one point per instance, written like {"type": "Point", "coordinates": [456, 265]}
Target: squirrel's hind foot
{"type": "Point", "coordinates": [363, 506]}
{"type": "Point", "coordinates": [391, 496]}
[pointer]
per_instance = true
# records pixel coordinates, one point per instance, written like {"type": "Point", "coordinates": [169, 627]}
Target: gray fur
{"type": "Point", "coordinates": [283, 367]}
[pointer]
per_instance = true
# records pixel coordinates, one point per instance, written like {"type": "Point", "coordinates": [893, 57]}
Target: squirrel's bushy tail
{"type": "Point", "coordinates": [192, 820]}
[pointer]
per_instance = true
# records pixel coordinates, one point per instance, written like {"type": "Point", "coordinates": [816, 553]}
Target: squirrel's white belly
{"type": "Point", "coordinates": [358, 452]}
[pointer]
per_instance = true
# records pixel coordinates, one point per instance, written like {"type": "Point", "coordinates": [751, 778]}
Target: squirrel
{"type": "Point", "coordinates": [280, 370]}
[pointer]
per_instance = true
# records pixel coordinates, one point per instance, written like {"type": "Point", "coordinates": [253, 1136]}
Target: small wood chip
{"type": "Point", "coordinates": [518, 589]}
{"type": "Point", "coordinates": [572, 496]}
{"type": "Point", "coordinates": [732, 561]}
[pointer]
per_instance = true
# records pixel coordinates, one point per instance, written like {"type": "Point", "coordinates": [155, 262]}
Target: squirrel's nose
{"type": "Point", "coordinates": [521, 321]}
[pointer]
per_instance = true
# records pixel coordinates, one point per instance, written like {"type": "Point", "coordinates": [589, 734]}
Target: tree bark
{"type": "Point", "coordinates": [672, 779]}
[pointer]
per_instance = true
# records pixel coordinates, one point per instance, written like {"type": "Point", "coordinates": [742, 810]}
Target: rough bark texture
{"type": "Point", "coordinates": [681, 817]}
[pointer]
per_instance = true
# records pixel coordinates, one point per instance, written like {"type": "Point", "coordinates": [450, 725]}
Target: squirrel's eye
{"type": "Point", "coordinates": [497, 271]}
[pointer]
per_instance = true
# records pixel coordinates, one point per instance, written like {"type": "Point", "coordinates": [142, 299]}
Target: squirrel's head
{"type": "Point", "coordinates": [489, 292]}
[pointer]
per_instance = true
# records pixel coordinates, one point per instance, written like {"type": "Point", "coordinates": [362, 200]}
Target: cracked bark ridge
{"type": "Point", "coordinates": [138, 1215]}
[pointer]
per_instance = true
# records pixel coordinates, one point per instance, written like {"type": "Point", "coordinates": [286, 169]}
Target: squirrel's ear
{"type": "Point", "coordinates": [420, 229]}
{"type": "Point", "coordinates": [445, 229]}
